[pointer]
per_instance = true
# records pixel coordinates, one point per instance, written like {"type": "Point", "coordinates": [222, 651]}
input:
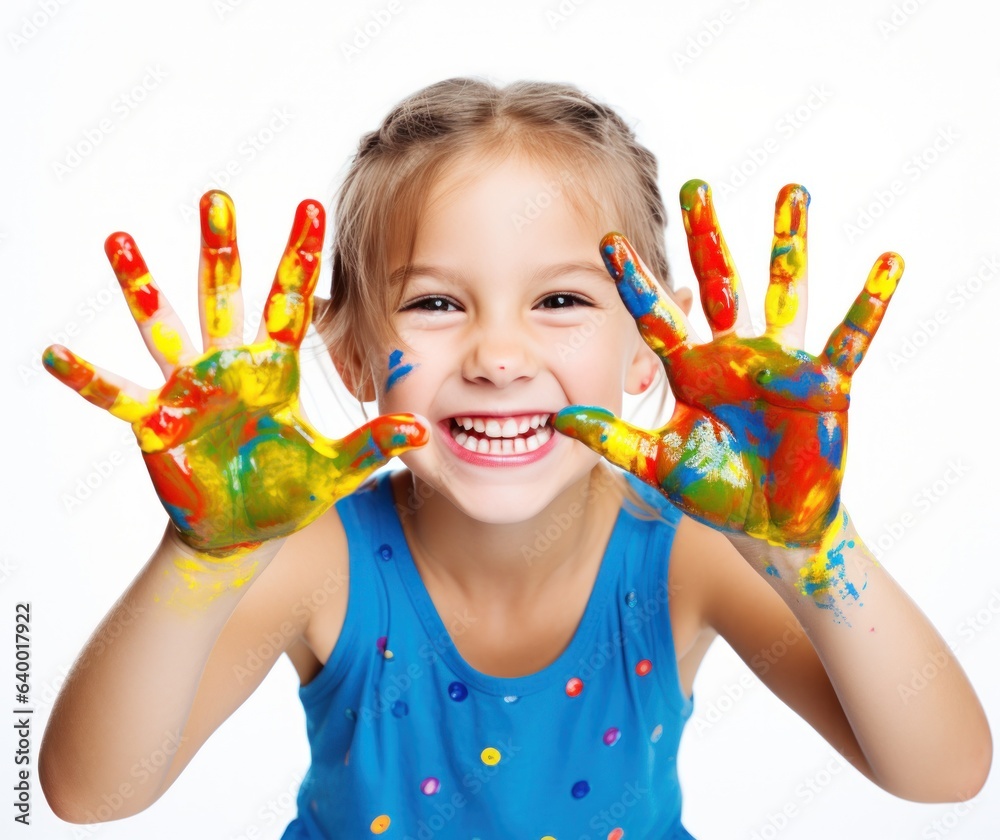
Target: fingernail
{"type": "Point", "coordinates": [790, 210]}
{"type": "Point", "coordinates": [309, 226]}
{"type": "Point", "coordinates": [696, 198]}
{"type": "Point", "coordinates": [885, 275]}
{"type": "Point", "coordinates": [218, 219]}
{"type": "Point", "coordinates": [66, 367]}
{"type": "Point", "coordinates": [615, 253]}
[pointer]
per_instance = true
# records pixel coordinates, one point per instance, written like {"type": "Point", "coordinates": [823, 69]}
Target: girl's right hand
{"type": "Point", "coordinates": [231, 455]}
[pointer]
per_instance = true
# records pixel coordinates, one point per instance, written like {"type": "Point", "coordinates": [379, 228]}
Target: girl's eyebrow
{"type": "Point", "coordinates": [549, 272]}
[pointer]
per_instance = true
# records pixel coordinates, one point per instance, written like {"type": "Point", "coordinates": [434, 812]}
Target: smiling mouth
{"type": "Point", "coordinates": [512, 435]}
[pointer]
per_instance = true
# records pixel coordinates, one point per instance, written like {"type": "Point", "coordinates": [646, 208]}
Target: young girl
{"type": "Point", "coordinates": [500, 640]}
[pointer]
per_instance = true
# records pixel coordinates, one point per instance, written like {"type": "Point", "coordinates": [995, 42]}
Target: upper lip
{"type": "Point", "coordinates": [519, 412]}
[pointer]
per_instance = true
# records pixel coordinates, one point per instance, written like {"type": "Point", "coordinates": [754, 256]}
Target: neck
{"type": "Point", "coordinates": [510, 559]}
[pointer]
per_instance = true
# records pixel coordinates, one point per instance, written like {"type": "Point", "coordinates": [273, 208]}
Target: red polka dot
{"type": "Point", "coordinates": [574, 686]}
{"type": "Point", "coordinates": [644, 667]}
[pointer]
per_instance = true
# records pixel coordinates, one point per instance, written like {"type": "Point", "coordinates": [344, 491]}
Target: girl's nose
{"type": "Point", "coordinates": [499, 355]}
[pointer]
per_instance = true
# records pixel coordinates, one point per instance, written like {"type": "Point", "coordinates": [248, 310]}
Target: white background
{"type": "Point", "coordinates": [707, 86]}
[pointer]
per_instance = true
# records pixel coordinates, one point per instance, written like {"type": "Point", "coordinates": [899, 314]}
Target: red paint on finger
{"type": "Point", "coordinates": [709, 256]}
{"type": "Point", "coordinates": [130, 268]}
{"type": "Point", "coordinates": [80, 375]}
{"type": "Point", "coordinates": [288, 310]}
{"type": "Point", "coordinates": [719, 303]}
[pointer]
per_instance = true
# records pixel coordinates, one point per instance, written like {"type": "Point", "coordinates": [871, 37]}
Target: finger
{"type": "Point", "coordinates": [289, 304]}
{"type": "Point", "coordinates": [219, 273]}
{"type": "Point", "coordinates": [785, 303]}
{"type": "Point", "coordinates": [660, 321]}
{"type": "Point", "coordinates": [849, 342]}
{"type": "Point", "coordinates": [634, 449]}
{"type": "Point", "coordinates": [161, 329]}
{"type": "Point", "coordinates": [122, 398]}
{"type": "Point", "coordinates": [713, 266]}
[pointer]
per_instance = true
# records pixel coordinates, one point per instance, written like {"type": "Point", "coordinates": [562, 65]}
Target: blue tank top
{"type": "Point", "coordinates": [409, 742]}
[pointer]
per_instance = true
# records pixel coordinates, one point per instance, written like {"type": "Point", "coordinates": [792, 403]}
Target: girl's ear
{"type": "Point", "coordinates": [683, 297]}
{"type": "Point", "coordinates": [348, 363]}
{"type": "Point", "coordinates": [642, 373]}
{"type": "Point", "coordinates": [646, 365]}
{"type": "Point", "coordinates": [352, 375]}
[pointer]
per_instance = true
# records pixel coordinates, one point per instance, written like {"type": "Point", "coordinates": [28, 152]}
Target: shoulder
{"type": "Point", "coordinates": [300, 601]}
{"type": "Point", "coordinates": [315, 574]}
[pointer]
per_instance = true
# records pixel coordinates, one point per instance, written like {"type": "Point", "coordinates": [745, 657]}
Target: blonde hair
{"type": "Point", "coordinates": [601, 165]}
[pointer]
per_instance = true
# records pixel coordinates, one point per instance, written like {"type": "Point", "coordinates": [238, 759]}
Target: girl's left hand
{"type": "Point", "coordinates": [758, 438]}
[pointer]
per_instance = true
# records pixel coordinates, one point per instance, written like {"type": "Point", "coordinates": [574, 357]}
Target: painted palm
{"type": "Point", "coordinates": [758, 438]}
{"type": "Point", "coordinates": [231, 455]}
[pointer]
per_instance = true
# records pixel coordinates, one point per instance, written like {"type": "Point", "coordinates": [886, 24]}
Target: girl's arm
{"type": "Point", "coordinates": [154, 681]}
{"type": "Point", "coordinates": [756, 448]}
{"type": "Point", "coordinates": [852, 677]}
{"type": "Point", "coordinates": [239, 469]}
{"type": "Point", "coordinates": [127, 700]}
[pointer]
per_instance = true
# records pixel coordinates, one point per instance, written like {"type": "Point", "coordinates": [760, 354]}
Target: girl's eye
{"type": "Point", "coordinates": [562, 301]}
{"type": "Point", "coordinates": [431, 303]}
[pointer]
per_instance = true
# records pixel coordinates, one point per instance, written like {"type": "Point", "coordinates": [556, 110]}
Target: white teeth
{"type": "Point", "coordinates": [509, 436]}
{"type": "Point", "coordinates": [507, 428]}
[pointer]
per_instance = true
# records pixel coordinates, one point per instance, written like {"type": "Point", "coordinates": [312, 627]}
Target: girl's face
{"type": "Point", "coordinates": [508, 315]}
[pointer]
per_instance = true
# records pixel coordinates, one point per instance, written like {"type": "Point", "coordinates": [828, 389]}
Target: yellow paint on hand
{"type": "Point", "coordinates": [218, 316]}
{"type": "Point", "coordinates": [148, 440]}
{"type": "Point", "coordinates": [167, 340]}
{"type": "Point", "coordinates": [279, 313]}
{"type": "Point", "coordinates": [781, 303]}
{"type": "Point", "coordinates": [220, 215]}
{"type": "Point", "coordinates": [884, 277]}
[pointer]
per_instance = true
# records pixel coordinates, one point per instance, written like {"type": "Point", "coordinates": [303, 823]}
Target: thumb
{"type": "Point", "coordinates": [627, 446]}
{"type": "Point", "coordinates": [373, 444]}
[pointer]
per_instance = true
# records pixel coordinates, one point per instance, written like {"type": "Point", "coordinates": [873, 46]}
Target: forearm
{"type": "Point", "coordinates": [910, 704]}
{"type": "Point", "coordinates": [120, 716]}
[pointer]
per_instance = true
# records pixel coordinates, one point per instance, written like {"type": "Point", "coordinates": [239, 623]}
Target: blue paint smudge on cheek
{"type": "Point", "coordinates": [397, 370]}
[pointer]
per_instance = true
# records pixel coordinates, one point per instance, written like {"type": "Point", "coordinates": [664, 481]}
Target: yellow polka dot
{"type": "Point", "coordinates": [490, 756]}
{"type": "Point", "coordinates": [380, 824]}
